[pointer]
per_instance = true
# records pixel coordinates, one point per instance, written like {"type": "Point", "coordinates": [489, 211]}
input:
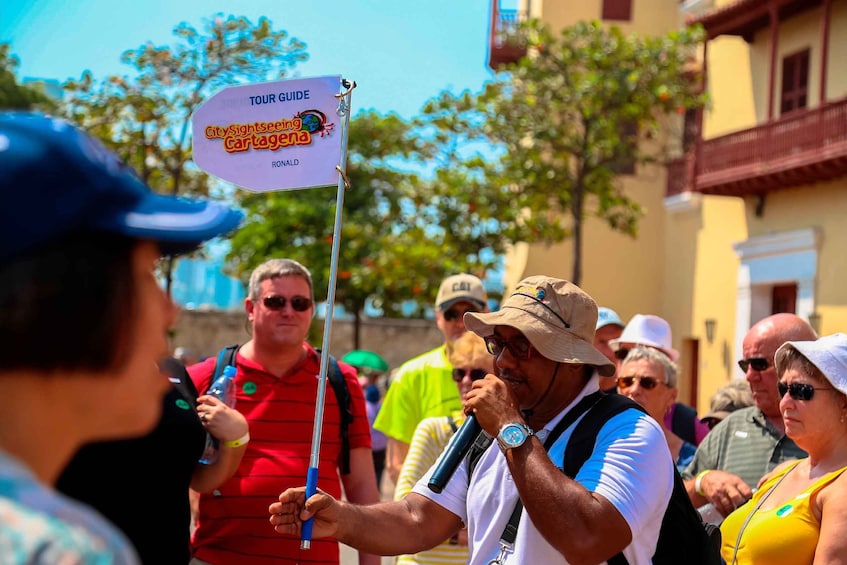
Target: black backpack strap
{"type": "Point", "coordinates": [453, 427]}
{"type": "Point", "coordinates": [342, 396]}
{"type": "Point", "coordinates": [226, 356]}
{"type": "Point", "coordinates": [581, 443]}
{"type": "Point", "coordinates": [480, 444]}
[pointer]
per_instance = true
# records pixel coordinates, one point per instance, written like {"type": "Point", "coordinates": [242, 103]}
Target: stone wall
{"type": "Point", "coordinates": [396, 340]}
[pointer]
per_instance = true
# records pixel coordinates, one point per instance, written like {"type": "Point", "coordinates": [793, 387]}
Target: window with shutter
{"type": "Point", "coordinates": [795, 82]}
{"type": "Point", "coordinates": [620, 10]}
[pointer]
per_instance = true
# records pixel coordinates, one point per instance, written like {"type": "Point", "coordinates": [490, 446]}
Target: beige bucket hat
{"type": "Point", "coordinates": [556, 316]}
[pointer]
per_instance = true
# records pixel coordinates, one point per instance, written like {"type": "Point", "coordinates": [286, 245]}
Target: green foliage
{"type": "Point", "coordinates": [14, 96]}
{"type": "Point", "coordinates": [146, 119]}
{"type": "Point", "coordinates": [565, 118]}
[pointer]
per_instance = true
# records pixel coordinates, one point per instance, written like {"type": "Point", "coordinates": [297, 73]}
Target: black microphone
{"type": "Point", "coordinates": [455, 452]}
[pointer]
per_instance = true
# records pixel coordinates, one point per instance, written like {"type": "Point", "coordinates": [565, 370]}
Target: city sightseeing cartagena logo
{"type": "Point", "coordinates": [274, 135]}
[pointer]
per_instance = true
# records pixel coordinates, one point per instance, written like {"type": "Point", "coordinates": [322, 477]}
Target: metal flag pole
{"type": "Point", "coordinates": [343, 183]}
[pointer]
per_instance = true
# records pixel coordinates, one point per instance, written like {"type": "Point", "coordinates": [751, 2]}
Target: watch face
{"type": "Point", "coordinates": [513, 435]}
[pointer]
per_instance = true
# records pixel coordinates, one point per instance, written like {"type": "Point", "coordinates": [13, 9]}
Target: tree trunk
{"type": "Point", "coordinates": [576, 212]}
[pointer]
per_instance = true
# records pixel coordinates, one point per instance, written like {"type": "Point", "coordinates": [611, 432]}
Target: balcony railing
{"type": "Point", "coordinates": [506, 45]}
{"type": "Point", "coordinates": [801, 147]}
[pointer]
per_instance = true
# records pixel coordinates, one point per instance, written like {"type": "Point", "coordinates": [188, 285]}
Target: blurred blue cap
{"type": "Point", "coordinates": [607, 317]}
{"type": "Point", "coordinates": [56, 180]}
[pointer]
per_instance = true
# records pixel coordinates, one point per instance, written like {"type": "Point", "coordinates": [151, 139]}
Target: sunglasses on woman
{"type": "Point", "coordinates": [798, 391]}
{"type": "Point", "coordinates": [476, 374]}
{"type": "Point", "coordinates": [758, 363]}
{"type": "Point", "coordinates": [647, 383]}
{"type": "Point", "coordinates": [277, 302]}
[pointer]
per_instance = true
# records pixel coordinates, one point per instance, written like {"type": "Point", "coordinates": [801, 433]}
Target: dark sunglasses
{"type": "Point", "coordinates": [276, 302]}
{"type": "Point", "coordinates": [758, 363]}
{"type": "Point", "coordinates": [476, 374]}
{"type": "Point", "coordinates": [797, 391]}
{"type": "Point", "coordinates": [519, 348]}
{"type": "Point", "coordinates": [620, 354]}
{"type": "Point", "coordinates": [647, 383]}
{"type": "Point", "coordinates": [452, 314]}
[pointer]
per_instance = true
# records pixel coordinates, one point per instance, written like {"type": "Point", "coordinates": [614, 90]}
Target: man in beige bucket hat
{"type": "Point", "coordinates": [545, 365]}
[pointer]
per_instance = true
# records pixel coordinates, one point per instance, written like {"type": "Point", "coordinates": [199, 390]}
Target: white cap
{"type": "Point", "coordinates": [650, 330]}
{"type": "Point", "coordinates": [829, 354]}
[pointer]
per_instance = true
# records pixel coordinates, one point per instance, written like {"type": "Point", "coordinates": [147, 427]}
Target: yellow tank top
{"type": "Point", "coordinates": [785, 535]}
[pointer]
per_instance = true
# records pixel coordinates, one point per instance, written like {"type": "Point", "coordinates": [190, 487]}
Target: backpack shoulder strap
{"type": "Point", "coordinates": [582, 441]}
{"type": "Point", "coordinates": [226, 356]}
{"type": "Point", "coordinates": [342, 396]}
{"type": "Point", "coordinates": [482, 442]}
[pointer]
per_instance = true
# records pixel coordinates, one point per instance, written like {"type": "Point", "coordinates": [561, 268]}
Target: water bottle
{"type": "Point", "coordinates": [710, 514]}
{"type": "Point", "coordinates": [224, 390]}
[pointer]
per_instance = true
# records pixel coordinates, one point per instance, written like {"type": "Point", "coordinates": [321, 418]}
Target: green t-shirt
{"type": "Point", "coordinates": [422, 388]}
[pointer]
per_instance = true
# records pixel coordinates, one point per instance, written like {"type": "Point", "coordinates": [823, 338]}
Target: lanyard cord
{"type": "Point", "coordinates": [750, 515]}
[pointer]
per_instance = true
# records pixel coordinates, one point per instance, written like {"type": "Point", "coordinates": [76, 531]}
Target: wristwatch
{"type": "Point", "coordinates": [513, 435]}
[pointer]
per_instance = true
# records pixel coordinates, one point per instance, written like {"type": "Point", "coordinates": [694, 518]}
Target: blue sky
{"type": "Point", "coordinates": [400, 53]}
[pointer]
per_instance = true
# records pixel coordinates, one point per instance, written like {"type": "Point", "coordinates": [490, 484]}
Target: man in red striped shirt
{"type": "Point", "coordinates": [276, 388]}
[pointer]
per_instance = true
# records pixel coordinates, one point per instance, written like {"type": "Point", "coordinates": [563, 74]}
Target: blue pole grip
{"type": "Point", "coordinates": [311, 488]}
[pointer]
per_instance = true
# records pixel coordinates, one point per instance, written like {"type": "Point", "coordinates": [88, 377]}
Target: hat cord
{"type": "Point", "coordinates": [567, 325]}
{"type": "Point", "coordinates": [529, 411]}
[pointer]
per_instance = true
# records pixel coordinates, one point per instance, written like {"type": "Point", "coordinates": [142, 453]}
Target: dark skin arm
{"type": "Point", "coordinates": [388, 528]}
{"type": "Point", "coordinates": [591, 530]}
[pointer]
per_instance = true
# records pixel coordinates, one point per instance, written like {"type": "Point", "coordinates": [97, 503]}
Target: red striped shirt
{"type": "Point", "coordinates": [233, 524]}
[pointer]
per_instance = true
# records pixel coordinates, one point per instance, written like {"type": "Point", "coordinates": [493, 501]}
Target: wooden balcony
{"type": "Point", "coordinates": [505, 44]}
{"type": "Point", "coordinates": [800, 148]}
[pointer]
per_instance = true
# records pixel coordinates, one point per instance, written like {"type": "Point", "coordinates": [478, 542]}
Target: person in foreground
{"type": "Point", "coordinates": [545, 365]}
{"type": "Point", "coordinates": [799, 513]}
{"type": "Point", "coordinates": [471, 361]}
{"type": "Point", "coordinates": [83, 322]}
{"type": "Point", "coordinates": [750, 442]}
{"type": "Point", "coordinates": [649, 377]}
{"type": "Point", "coordinates": [164, 465]}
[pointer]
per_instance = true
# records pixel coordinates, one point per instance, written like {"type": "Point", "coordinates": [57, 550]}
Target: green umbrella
{"type": "Point", "coordinates": [366, 359]}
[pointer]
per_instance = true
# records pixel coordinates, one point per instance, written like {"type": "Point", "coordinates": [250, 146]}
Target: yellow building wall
{"type": "Point", "coordinates": [701, 270]}
{"type": "Point", "coordinates": [824, 205]}
{"type": "Point", "coordinates": [609, 259]}
{"type": "Point", "coordinates": [619, 272]}
{"type": "Point", "coordinates": [731, 105]}
{"type": "Point", "coordinates": [648, 16]}
{"type": "Point", "coordinates": [683, 266]}
{"type": "Point", "coordinates": [836, 80]}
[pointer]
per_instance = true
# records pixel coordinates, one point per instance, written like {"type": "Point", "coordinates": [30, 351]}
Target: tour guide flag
{"type": "Point", "coordinates": [271, 136]}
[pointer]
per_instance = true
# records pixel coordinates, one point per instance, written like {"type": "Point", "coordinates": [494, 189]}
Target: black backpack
{"type": "Point", "coordinates": [684, 537]}
{"type": "Point", "coordinates": [339, 387]}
